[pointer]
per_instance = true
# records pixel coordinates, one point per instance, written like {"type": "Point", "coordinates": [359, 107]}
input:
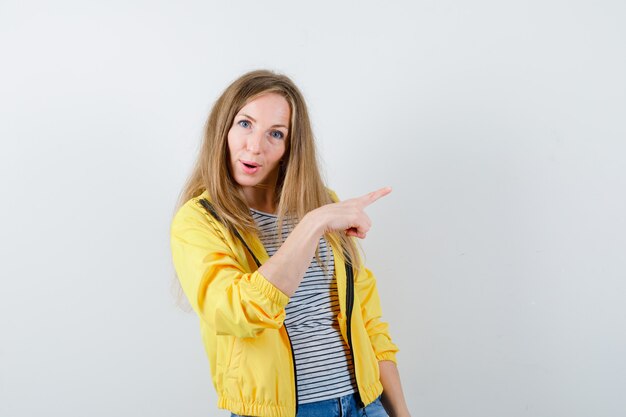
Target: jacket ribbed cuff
{"type": "Point", "coordinates": [387, 356]}
{"type": "Point", "coordinates": [269, 290]}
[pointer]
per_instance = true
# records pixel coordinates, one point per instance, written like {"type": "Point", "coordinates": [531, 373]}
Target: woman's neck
{"type": "Point", "coordinates": [260, 198]}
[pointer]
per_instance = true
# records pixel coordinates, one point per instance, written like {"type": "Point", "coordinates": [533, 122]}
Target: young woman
{"type": "Point", "coordinates": [265, 253]}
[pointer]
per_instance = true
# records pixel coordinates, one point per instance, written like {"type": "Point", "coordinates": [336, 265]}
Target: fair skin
{"type": "Point", "coordinates": [256, 142]}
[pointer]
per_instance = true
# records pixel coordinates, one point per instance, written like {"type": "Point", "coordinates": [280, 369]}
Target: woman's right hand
{"type": "Point", "coordinates": [348, 215]}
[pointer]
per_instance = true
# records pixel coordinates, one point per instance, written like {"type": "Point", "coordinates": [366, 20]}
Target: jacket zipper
{"type": "Point", "coordinates": [349, 307]}
{"type": "Point", "coordinates": [295, 372]}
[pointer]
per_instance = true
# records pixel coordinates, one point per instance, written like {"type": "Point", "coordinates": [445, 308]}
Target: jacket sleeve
{"type": "Point", "coordinates": [378, 331]}
{"type": "Point", "coordinates": [222, 293]}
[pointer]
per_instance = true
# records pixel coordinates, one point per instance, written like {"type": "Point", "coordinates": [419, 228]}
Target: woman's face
{"type": "Point", "coordinates": [256, 140]}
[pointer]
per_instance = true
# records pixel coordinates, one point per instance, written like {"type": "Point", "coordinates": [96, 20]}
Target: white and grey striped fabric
{"type": "Point", "coordinates": [323, 362]}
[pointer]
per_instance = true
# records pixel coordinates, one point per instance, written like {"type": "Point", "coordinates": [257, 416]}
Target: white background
{"type": "Point", "coordinates": [500, 253]}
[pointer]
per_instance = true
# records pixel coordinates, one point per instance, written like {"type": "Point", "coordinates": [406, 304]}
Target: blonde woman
{"type": "Point", "coordinates": [265, 254]}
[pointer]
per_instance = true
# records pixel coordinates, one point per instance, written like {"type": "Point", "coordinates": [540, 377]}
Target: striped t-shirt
{"type": "Point", "coordinates": [324, 365]}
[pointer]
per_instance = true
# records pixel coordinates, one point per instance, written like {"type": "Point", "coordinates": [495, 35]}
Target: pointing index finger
{"type": "Point", "coordinates": [369, 198]}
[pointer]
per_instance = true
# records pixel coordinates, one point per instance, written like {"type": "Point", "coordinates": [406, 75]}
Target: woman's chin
{"type": "Point", "coordinates": [246, 181]}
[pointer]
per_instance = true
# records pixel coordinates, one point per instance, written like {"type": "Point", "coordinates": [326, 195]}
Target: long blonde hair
{"type": "Point", "coordinates": [299, 187]}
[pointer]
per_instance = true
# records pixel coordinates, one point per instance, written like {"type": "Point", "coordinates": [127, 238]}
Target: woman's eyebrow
{"type": "Point", "coordinates": [248, 116]}
{"type": "Point", "coordinates": [254, 120]}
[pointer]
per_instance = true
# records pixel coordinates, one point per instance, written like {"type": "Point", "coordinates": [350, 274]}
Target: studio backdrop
{"type": "Point", "coordinates": [499, 254]}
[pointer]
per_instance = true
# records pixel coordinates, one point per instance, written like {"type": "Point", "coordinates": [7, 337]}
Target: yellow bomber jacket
{"type": "Point", "coordinates": [241, 316]}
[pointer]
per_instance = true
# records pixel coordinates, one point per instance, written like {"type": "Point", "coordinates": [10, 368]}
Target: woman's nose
{"type": "Point", "coordinates": [254, 142]}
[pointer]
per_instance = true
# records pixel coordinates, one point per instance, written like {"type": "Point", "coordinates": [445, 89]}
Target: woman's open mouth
{"type": "Point", "coordinates": [249, 167]}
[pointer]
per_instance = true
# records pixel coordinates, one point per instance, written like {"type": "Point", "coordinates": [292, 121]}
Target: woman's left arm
{"type": "Point", "coordinates": [393, 397]}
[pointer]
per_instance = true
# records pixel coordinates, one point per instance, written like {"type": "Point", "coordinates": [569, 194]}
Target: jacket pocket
{"type": "Point", "coordinates": [234, 360]}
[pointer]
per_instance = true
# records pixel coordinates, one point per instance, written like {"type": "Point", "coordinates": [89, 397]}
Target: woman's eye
{"type": "Point", "coordinates": [277, 134]}
{"type": "Point", "coordinates": [244, 123]}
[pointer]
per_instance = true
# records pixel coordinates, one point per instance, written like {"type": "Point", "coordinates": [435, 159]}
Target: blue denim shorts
{"type": "Point", "coordinates": [339, 407]}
